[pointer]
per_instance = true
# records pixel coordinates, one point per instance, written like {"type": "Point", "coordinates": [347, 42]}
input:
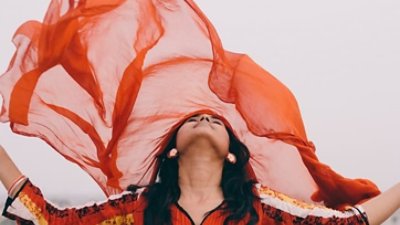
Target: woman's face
{"type": "Point", "coordinates": [203, 131]}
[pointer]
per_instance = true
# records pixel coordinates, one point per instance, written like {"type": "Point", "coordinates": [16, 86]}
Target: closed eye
{"type": "Point", "coordinates": [191, 119]}
{"type": "Point", "coordinates": [217, 122]}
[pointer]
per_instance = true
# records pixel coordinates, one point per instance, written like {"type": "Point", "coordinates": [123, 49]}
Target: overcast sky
{"type": "Point", "coordinates": [340, 58]}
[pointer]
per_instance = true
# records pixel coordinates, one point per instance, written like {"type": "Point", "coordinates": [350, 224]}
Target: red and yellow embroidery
{"type": "Point", "coordinates": [119, 220]}
{"type": "Point", "coordinates": [33, 208]}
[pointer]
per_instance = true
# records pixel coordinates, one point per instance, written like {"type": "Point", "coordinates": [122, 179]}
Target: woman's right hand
{"type": "Point", "coordinates": [9, 172]}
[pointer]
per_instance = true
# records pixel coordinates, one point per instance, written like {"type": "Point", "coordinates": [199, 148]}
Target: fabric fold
{"type": "Point", "coordinates": [105, 81]}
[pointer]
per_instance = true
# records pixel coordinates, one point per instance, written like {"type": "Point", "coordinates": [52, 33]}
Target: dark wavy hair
{"type": "Point", "coordinates": [236, 184]}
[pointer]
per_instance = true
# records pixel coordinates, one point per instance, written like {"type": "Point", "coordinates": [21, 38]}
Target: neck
{"type": "Point", "coordinates": [200, 178]}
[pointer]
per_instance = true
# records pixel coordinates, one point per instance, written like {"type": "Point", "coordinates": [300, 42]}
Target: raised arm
{"type": "Point", "coordinates": [278, 207]}
{"type": "Point", "coordinates": [383, 206]}
{"type": "Point", "coordinates": [26, 203]}
{"type": "Point", "coordinates": [9, 173]}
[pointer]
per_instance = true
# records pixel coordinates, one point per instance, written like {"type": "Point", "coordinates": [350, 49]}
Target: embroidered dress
{"type": "Point", "coordinates": [29, 207]}
{"type": "Point", "coordinates": [104, 82]}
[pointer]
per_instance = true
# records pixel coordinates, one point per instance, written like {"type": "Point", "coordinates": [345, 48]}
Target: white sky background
{"type": "Point", "coordinates": [340, 58]}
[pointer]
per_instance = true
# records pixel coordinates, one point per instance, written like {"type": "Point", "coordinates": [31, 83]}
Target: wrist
{"type": "Point", "coordinates": [16, 186]}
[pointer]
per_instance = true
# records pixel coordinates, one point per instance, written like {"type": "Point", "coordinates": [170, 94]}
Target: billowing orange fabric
{"type": "Point", "coordinates": [105, 81]}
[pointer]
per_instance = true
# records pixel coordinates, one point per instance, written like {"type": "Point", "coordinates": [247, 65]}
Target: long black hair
{"type": "Point", "coordinates": [237, 187]}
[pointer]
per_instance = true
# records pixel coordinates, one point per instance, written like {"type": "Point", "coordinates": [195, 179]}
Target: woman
{"type": "Point", "coordinates": [134, 68]}
{"type": "Point", "coordinates": [203, 179]}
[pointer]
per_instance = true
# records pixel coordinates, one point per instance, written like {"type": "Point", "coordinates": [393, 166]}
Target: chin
{"type": "Point", "coordinates": [203, 137]}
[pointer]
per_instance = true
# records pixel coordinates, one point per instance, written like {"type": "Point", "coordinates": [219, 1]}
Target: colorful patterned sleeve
{"type": "Point", "coordinates": [278, 208]}
{"type": "Point", "coordinates": [30, 207]}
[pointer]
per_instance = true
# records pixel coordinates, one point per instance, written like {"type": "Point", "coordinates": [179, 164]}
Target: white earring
{"type": "Point", "coordinates": [173, 153]}
{"type": "Point", "coordinates": [231, 158]}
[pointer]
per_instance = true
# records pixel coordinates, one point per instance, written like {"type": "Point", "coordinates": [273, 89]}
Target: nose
{"type": "Point", "coordinates": [205, 117]}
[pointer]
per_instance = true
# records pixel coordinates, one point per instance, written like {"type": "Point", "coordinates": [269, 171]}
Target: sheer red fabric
{"type": "Point", "coordinates": [104, 82]}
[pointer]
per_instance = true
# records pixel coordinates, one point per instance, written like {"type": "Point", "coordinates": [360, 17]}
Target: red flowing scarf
{"type": "Point", "coordinates": [104, 82]}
